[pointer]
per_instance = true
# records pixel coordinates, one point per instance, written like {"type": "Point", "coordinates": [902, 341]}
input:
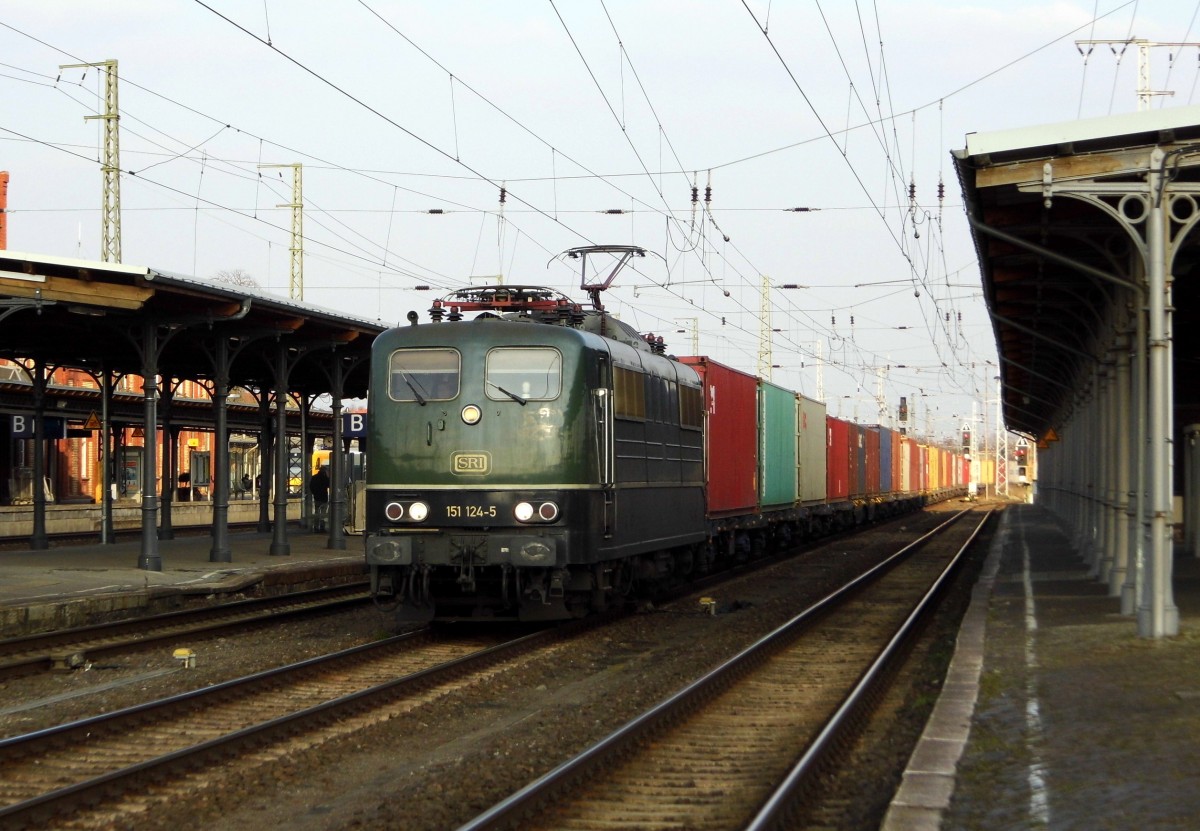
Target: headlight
{"type": "Point", "coordinates": [394, 512]}
{"type": "Point", "coordinates": [418, 511]}
{"type": "Point", "coordinates": [545, 512]}
{"type": "Point", "coordinates": [471, 414]}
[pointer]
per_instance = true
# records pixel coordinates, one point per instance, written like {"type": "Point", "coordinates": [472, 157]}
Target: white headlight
{"type": "Point", "coordinates": [418, 511]}
{"type": "Point", "coordinates": [523, 512]}
{"type": "Point", "coordinates": [471, 414]}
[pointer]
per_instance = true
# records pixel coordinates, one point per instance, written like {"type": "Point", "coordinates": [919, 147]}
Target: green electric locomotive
{"type": "Point", "coordinates": [536, 462]}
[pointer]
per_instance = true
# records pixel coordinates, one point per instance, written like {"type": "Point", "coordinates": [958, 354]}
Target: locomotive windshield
{"type": "Point", "coordinates": [424, 375]}
{"type": "Point", "coordinates": [524, 374]}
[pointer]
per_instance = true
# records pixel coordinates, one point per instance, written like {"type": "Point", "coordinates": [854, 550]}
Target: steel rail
{"type": "Point", "coordinates": [66, 648]}
{"type": "Point", "coordinates": [779, 807]}
{"type": "Point", "coordinates": [39, 808]}
{"type": "Point", "coordinates": [509, 811]}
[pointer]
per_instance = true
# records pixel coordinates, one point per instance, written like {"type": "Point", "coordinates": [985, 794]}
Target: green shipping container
{"type": "Point", "coordinates": [777, 452]}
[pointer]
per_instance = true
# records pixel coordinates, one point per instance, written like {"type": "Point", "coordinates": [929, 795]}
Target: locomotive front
{"type": "Point", "coordinates": [482, 440]}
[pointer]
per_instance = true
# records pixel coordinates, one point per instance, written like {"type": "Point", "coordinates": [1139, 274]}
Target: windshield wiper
{"type": "Point", "coordinates": [511, 395]}
{"type": "Point", "coordinates": [416, 393]}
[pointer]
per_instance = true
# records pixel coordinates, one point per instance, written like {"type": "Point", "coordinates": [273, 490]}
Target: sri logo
{"type": "Point", "coordinates": [469, 464]}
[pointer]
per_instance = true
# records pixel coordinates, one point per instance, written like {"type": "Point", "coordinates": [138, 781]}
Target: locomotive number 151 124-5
{"type": "Point", "coordinates": [470, 511]}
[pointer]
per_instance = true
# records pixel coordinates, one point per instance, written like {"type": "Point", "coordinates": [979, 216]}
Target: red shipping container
{"type": "Point", "coordinates": [872, 436]}
{"type": "Point", "coordinates": [731, 437]}
{"type": "Point", "coordinates": [897, 462]}
{"type": "Point", "coordinates": [837, 459]}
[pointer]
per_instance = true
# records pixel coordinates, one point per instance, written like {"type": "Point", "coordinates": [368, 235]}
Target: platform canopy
{"type": "Point", "coordinates": [1055, 213]}
{"type": "Point", "coordinates": [88, 314]}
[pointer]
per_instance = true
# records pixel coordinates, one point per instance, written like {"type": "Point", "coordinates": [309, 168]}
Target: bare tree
{"type": "Point", "coordinates": [236, 277]}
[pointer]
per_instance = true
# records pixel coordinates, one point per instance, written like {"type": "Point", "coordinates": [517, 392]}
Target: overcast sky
{"type": "Point", "coordinates": [598, 117]}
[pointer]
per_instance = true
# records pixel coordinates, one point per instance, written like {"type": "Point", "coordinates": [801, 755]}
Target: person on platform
{"type": "Point", "coordinates": [318, 486]}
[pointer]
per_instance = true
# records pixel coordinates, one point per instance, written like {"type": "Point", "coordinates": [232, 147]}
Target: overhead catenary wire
{"type": "Point", "coordinates": [710, 246]}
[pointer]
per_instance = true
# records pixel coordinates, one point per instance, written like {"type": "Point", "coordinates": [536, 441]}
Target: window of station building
{"type": "Point", "coordinates": [424, 375]}
{"type": "Point", "coordinates": [524, 373]}
{"type": "Point", "coordinates": [629, 393]}
{"type": "Point", "coordinates": [691, 408]}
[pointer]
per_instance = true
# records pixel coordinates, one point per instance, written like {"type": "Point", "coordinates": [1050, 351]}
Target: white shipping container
{"type": "Point", "coordinates": [810, 451]}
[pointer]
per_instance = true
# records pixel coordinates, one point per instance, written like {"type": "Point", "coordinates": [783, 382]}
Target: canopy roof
{"type": "Point", "coordinates": [93, 315]}
{"type": "Point", "coordinates": [1060, 271]}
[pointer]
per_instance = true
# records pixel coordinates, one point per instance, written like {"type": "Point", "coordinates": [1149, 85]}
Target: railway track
{"type": "Point", "coordinates": [738, 748]}
{"type": "Point", "coordinates": [111, 767]}
{"type": "Point", "coordinates": [69, 648]}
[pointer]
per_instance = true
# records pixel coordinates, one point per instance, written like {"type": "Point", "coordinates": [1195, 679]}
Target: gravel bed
{"type": "Point", "coordinates": [115, 681]}
{"type": "Point", "coordinates": [445, 762]}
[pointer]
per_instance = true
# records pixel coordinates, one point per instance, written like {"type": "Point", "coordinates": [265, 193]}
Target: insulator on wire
{"type": "Point", "coordinates": [695, 194]}
{"type": "Point", "coordinates": [912, 191]}
{"type": "Point", "coordinates": [503, 194]}
{"type": "Point", "coordinates": [708, 194]}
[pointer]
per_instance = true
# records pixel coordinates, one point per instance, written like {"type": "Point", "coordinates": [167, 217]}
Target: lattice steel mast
{"type": "Point", "coordinates": [296, 285]}
{"type": "Point", "coordinates": [110, 164]}
{"type": "Point", "coordinates": [764, 319]}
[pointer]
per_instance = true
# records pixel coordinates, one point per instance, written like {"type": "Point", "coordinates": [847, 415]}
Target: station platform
{"type": "Point", "coordinates": [1055, 713]}
{"type": "Point", "coordinates": [78, 585]}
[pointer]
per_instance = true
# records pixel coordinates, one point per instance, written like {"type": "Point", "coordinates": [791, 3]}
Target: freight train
{"type": "Point", "coordinates": [543, 461]}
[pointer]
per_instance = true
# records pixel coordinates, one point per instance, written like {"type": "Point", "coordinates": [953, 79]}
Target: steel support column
{"type": "Point", "coordinates": [1131, 590]}
{"type": "Point", "coordinates": [39, 541]}
{"type": "Point", "coordinates": [338, 478]}
{"type": "Point", "coordinates": [221, 551]}
{"type": "Point", "coordinates": [266, 444]}
{"type": "Point", "coordinates": [107, 477]}
{"type": "Point", "coordinates": [1109, 552]}
{"type": "Point", "coordinates": [1157, 614]}
{"type": "Point", "coordinates": [149, 559]}
{"type": "Point", "coordinates": [1122, 427]}
{"type": "Point", "coordinates": [170, 461]}
{"type": "Point", "coordinates": [280, 547]}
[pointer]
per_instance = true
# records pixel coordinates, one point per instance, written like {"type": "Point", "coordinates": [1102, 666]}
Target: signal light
{"type": "Point", "coordinates": [545, 512]}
